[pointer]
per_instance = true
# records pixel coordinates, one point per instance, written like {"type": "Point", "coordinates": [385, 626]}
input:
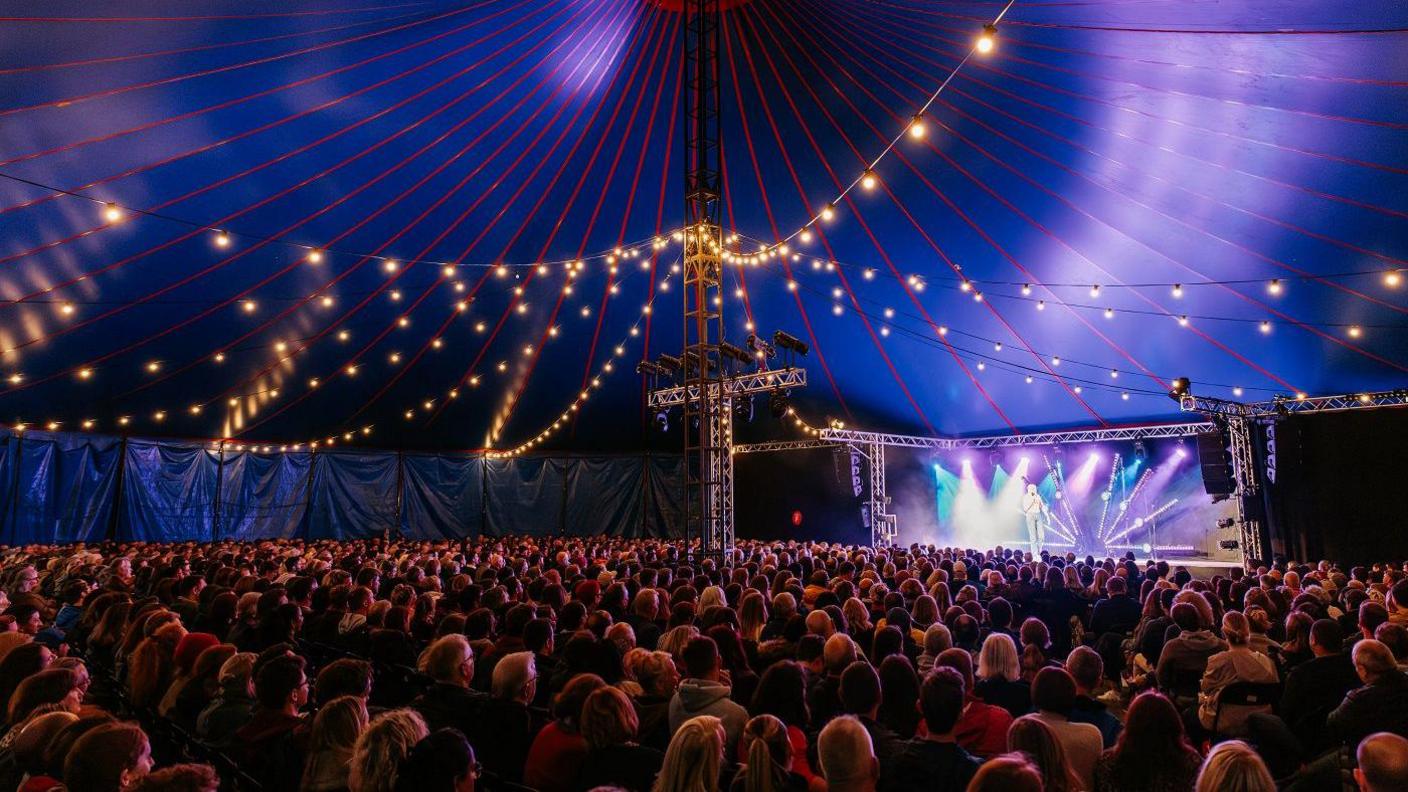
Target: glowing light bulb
{"type": "Point", "coordinates": [112, 213]}
{"type": "Point", "coordinates": [154, 366]}
{"type": "Point", "coordinates": [222, 239]}
{"type": "Point", "coordinates": [917, 129]}
{"type": "Point", "coordinates": [315, 256]}
{"type": "Point", "coordinates": [403, 322]}
{"type": "Point", "coordinates": [1026, 290]}
{"type": "Point", "coordinates": [1265, 327]}
{"type": "Point", "coordinates": [85, 373]}
{"type": "Point", "coordinates": [1109, 313]}
{"type": "Point", "coordinates": [868, 180]}
{"type": "Point", "coordinates": [1237, 392]}
{"type": "Point", "coordinates": [1095, 290]}
{"type": "Point", "coordinates": [1274, 287]}
{"type": "Point", "coordinates": [1183, 321]}
{"type": "Point", "coordinates": [828, 212]}
{"type": "Point", "coordinates": [390, 265]}
{"type": "Point", "coordinates": [249, 306]}
{"type": "Point", "coordinates": [1041, 305]}
{"type": "Point", "coordinates": [987, 40]}
{"type": "Point", "coordinates": [1177, 290]}
{"type": "Point", "coordinates": [67, 309]}
{"type": "Point", "coordinates": [1355, 331]}
{"type": "Point", "coordinates": [1393, 278]}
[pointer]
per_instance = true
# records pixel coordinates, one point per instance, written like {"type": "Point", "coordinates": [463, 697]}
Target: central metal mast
{"type": "Point", "coordinates": [708, 424]}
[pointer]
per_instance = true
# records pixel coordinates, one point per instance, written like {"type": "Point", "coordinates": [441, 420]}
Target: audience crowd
{"type": "Point", "coordinates": [569, 664]}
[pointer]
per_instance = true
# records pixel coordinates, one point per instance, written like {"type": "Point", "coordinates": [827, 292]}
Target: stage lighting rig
{"type": "Point", "coordinates": [790, 343]}
{"type": "Point", "coordinates": [778, 403]}
{"type": "Point", "coordinates": [662, 420]}
{"type": "Point", "coordinates": [730, 352]}
{"type": "Point", "coordinates": [1141, 452]}
{"type": "Point", "coordinates": [761, 349]}
{"type": "Point", "coordinates": [743, 409]}
{"type": "Point", "coordinates": [670, 364]}
{"type": "Point", "coordinates": [1181, 387]}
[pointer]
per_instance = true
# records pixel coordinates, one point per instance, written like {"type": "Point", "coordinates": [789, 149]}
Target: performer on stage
{"type": "Point", "coordinates": [1038, 517]}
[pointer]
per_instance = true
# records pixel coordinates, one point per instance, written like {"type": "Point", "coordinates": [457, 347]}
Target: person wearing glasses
{"type": "Point", "coordinates": [504, 729]}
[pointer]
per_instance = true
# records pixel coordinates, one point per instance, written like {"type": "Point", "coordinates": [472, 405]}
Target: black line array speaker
{"type": "Point", "coordinates": [1215, 457]}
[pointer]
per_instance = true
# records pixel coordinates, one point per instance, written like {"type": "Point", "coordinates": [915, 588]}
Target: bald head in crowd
{"type": "Point", "coordinates": [1383, 763]}
{"type": "Point", "coordinates": [1372, 660]}
{"type": "Point", "coordinates": [819, 623]}
{"type": "Point", "coordinates": [847, 756]}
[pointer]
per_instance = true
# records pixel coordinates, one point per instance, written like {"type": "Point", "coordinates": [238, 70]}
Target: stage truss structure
{"type": "Point", "coordinates": [884, 526]}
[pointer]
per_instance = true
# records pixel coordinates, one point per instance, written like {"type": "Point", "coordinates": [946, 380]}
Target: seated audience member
{"type": "Point", "coordinates": [381, 750]}
{"type": "Point", "coordinates": [658, 678]}
{"type": "Point", "coordinates": [263, 744]}
{"type": "Point", "coordinates": [1233, 766]}
{"type": "Point", "coordinates": [1007, 773]}
{"type": "Point", "coordinates": [28, 750]}
{"type": "Point", "coordinates": [614, 757]}
{"type": "Point", "coordinates": [695, 757]}
{"type": "Point", "coordinates": [1239, 664]}
{"type": "Point", "coordinates": [109, 758]}
{"type": "Point", "coordinates": [1032, 737]}
{"type": "Point", "coordinates": [1316, 687]}
{"type": "Point", "coordinates": [1383, 763]}
{"type": "Point", "coordinates": [1088, 670]}
{"type": "Point", "coordinates": [935, 761]}
{"type": "Point", "coordinates": [900, 686]}
{"type": "Point", "coordinates": [643, 618]}
{"type": "Point", "coordinates": [201, 685]}
{"type": "Point", "coordinates": [336, 728]}
{"type": "Point", "coordinates": [1054, 695]}
{"type": "Point", "coordinates": [702, 692]}
{"type": "Point", "coordinates": [1000, 676]}
{"type": "Point", "coordinates": [860, 697]}
{"type": "Point", "coordinates": [824, 693]}
{"type": "Point", "coordinates": [504, 729]}
{"type": "Point", "coordinates": [782, 693]}
{"type": "Point", "coordinates": [1380, 705]}
{"type": "Point", "coordinates": [442, 762]}
{"type": "Point", "coordinates": [847, 759]}
{"type": "Point", "coordinates": [982, 728]}
{"type": "Point", "coordinates": [1186, 656]}
{"type": "Point", "coordinates": [179, 778]}
{"type": "Point", "coordinates": [233, 704]}
{"type": "Point", "coordinates": [555, 757]}
{"type": "Point", "coordinates": [1117, 613]}
{"type": "Point", "coordinates": [449, 702]}
{"type": "Point", "coordinates": [1152, 738]}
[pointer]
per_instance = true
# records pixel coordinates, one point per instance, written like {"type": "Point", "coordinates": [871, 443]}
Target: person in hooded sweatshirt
{"type": "Point", "coordinates": [704, 691]}
{"type": "Point", "coordinates": [1189, 652]}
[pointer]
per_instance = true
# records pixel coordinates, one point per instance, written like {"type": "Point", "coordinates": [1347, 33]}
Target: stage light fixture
{"type": "Point", "coordinates": [1141, 452]}
{"type": "Point", "coordinates": [777, 403]}
{"type": "Point", "coordinates": [743, 409]}
{"type": "Point", "coordinates": [790, 343]}
{"type": "Point", "coordinates": [1181, 387]}
{"type": "Point", "coordinates": [994, 459]}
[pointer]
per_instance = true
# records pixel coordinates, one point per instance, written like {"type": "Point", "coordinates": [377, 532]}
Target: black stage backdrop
{"type": "Point", "coordinates": [1336, 485]}
{"type": "Point", "coordinates": [804, 494]}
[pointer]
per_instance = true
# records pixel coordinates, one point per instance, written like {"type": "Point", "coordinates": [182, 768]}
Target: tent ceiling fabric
{"type": "Point", "coordinates": [292, 180]}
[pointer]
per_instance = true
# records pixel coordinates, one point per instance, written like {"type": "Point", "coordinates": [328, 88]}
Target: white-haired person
{"type": "Point", "coordinates": [847, 757]}
{"type": "Point", "coordinates": [1233, 766]}
{"type": "Point", "coordinates": [504, 729]}
{"type": "Point", "coordinates": [999, 676]}
{"type": "Point", "coordinates": [449, 703]}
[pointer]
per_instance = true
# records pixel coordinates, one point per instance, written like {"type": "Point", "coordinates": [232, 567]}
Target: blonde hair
{"type": "Point", "coordinates": [1235, 628]}
{"type": "Point", "coordinates": [336, 730]}
{"type": "Point", "coordinates": [857, 615]}
{"type": "Point", "coordinates": [381, 749]}
{"type": "Point", "coordinates": [653, 668]}
{"type": "Point", "coordinates": [692, 761]}
{"type": "Point", "coordinates": [998, 658]}
{"type": "Point", "coordinates": [752, 615]}
{"type": "Point", "coordinates": [674, 641]}
{"type": "Point", "coordinates": [767, 754]}
{"type": "Point", "coordinates": [1234, 767]}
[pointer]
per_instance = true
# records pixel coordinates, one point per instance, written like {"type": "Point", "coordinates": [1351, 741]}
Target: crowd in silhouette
{"type": "Point", "coordinates": [569, 664]}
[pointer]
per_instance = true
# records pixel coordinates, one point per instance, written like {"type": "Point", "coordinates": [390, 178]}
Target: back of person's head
{"type": "Point", "coordinates": [860, 688]}
{"type": "Point", "coordinates": [513, 674]}
{"type": "Point", "coordinates": [1233, 766]}
{"type": "Point", "coordinates": [998, 658]}
{"type": "Point", "coordinates": [846, 754]}
{"type": "Point", "coordinates": [941, 698]}
{"type": "Point", "coordinates": [567, 704]}
{"type": "Point", "coordinates": [110, 758]}
{"type": "Point", "coordinates": [608, 718]}
{"type": "Point", "coordinates": [345, 676]}
{"type": "Point", "coordinates": [237, 672]}
{"type": "Point", "coordinates": [1235, 628]}
{"type": "Point", "coordinates": [50, 686]}
{"type": "Point", "coordinates": [960, 661]}
{"type": "Point", "coordinates": [1383, 763]}
{"type": "Point", "coordinates": [693, 758]}
{"type": "Point", "coordinates": [701, 657]}
{"type": "Point", "coordinates": [936, 639]}
{"type": "Point", "coordinates": [1007, 773]}
{"type": "Point", "coordinates": [1086, 667]}
{"type": "Point", "coordinates": [1053, 690]}
{"type": "Point", "coordinates": [1327, 634]}
{"type": "Point", "coordinates": [338, 724]}
{"type": "Point", "coordinates": [1373, 658]}
{"type": "Point", "coordinates": [36, 736]}
{"type": "Point", "coordinates": [58, 749]}
{"type": "Point", "coordinates": [448, 659]}
{"type": "Point", "coordinates": [180, 778]}
{"type": "Point", "coordinates": [1031, 736]}
{"type": "Point", "coordinates": [379, 752]}
{"type": "Point", "coordinates": [440, 761]}
{"type": "Point", "coordinates": [840, 651]}
{"type": "Point", "coordinates": [278, 680]}
{"type": "Point", "coordinates": [1186, 616]}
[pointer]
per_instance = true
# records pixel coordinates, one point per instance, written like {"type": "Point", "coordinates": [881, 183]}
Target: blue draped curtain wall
{"type": "Point", "coordinates": [65, 487]}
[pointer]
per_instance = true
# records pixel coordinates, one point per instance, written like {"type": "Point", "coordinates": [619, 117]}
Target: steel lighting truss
{"type": "Point", "coordinates": [1283, 406]}
{"type": "Point", "coordinates": [735, 386]}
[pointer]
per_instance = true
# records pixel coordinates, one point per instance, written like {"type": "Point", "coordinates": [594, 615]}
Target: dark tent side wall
{"type": "Point", "coordinates": [63, 487]}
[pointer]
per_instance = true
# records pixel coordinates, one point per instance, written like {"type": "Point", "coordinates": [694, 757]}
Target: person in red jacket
{"type": "Point", "coordinates": [982, 728]}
